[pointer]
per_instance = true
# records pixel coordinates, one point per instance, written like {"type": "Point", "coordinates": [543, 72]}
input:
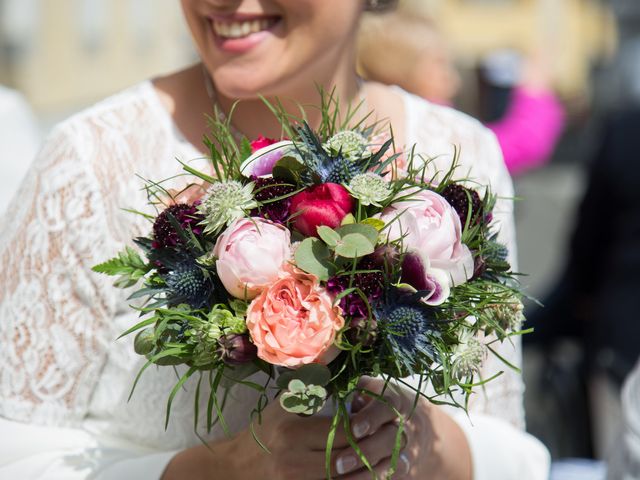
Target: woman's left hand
{"type": "Point", "coordinates": [433, 445]}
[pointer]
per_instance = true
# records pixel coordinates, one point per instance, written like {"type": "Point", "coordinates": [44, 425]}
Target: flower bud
{"type": "Point", "coordinates": [363, 331]}
{"type": "Point", "coordinates": [237, 349]}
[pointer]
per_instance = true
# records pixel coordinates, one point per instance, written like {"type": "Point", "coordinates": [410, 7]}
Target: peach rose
{"type": "Point", "coordinates": [293, 322]}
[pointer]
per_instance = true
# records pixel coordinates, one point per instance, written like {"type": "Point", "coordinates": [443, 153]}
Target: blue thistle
{"type": "Point", "coordinates": [187, 282]}
{"type": "Point", "coordinates": [404, 326]}
{"type": "Point", "coordinates": [323, 167]}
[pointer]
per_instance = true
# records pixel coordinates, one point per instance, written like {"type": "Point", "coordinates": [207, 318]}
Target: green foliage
{"type": "Point", "coordinates": [310, 374]}
{"type": "Point", "coordinates": [128, 265]}
{"type": "Point", "coordinates": [354, 245]}
{"type": "Point", "coordinates": [303, 399]}
{"type": "Point", "coordinates": [314, 257]}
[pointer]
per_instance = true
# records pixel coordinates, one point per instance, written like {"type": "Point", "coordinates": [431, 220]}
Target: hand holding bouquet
{"type": "Point", "coordinates": [316, 261]}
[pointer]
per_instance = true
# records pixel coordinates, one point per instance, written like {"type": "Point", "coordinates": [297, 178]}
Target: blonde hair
{"type": "Point", "coordinates": [390, 44]}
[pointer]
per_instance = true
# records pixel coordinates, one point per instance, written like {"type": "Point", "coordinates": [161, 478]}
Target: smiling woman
{"type": "Point", "coordinates": [65, 381]}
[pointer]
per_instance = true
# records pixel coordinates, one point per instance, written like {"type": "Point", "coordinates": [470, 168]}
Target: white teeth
{"type": "Point", "coordinates": [240, 29]}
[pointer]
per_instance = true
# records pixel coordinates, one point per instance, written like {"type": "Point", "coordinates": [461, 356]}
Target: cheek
{"type": "Point", "coordinates": [195, 22]}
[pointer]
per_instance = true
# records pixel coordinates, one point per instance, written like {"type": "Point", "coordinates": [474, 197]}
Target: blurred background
{"type": "Point", "coordinates": [59, 56]}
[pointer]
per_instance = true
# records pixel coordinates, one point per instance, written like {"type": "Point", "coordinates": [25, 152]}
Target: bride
{"type": "Point", "coordinates": [65, 380]}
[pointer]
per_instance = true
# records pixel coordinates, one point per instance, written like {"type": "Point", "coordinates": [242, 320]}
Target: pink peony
{"type": "Point", "coordinates": [429, 229]}
{"type": "Point", "coordinates": [325, 204]}
{"type": "Point", "coordinates": [293, 322]}
{"type": "Point", "coordinates": [250, 253]}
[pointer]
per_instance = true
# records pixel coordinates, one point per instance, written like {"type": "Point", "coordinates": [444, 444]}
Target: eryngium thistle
{"type": "Point", "coordinates": [164, 233]}
{"type": "Point", "coordinates": [469, 358]}
{"type": "Point", "coordinates": [332, 170]}
{"type": "Point", "coordinates": [405, 326]}
{"type": "Point", "coordinates": [349, 143]}
{"type": "Point", "coordinates": [188, 283]}
{"type": "Point", "coordinates": [224, 203]}
{"type": "Point", "coordinates": [370, 188]}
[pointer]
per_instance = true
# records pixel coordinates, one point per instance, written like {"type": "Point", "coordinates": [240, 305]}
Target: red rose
{"type": "Point", "coordinates": [261, 142]}
{"type": "Point", "coordinates": [325, 204]}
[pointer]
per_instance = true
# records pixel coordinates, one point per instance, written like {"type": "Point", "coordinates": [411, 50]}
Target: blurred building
{"type": "Point", "coordinates": [577, 32]}
{"type": "Point", "coordinates": [64, 54]}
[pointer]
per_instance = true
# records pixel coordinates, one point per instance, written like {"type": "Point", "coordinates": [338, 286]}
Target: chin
{"type": "Point", "coordinates": [245, 83]}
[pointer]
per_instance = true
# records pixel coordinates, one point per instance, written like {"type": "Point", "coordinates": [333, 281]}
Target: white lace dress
{"type": "Point", "coordinates": [64, 378]}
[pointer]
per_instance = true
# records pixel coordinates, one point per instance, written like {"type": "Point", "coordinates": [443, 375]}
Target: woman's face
{"type": "Point", "coordinates": [272, 47]}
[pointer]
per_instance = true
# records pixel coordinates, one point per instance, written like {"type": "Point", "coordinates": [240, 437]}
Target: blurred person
{"type": "Point", "coordinates": [410, 52]}
{"type": "Point", "coordinates": [63, 409]}
{"type": "Point", "coordinates": [594, 303]}
{"type": "Point", "coordinates": [19, 141]}
{"type": "Point", "coordinates": [624, 461]}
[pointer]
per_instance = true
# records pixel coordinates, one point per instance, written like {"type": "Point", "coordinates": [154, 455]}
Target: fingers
{"type": "Point", "coordinates": [310, 434]}
{"type": "Point", "coordinates": [375, 448]}
{"type": "Point", "coordinates": [383, 469]}
{"type": "Point", "coordinates": [375, 413]}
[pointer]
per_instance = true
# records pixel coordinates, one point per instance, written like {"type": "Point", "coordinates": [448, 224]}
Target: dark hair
{"type": "Point", "coordinates": [380, 5]}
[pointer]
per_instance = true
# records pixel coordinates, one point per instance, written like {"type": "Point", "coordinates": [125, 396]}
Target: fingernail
{"type": "Point", "coordinates": [361, 428]}
{"type": "Point", "coordinates": [346, 464]}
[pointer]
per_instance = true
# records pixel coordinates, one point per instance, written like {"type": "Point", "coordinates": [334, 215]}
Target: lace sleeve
{"type": "Point", "coordinates": [502, 397]}
{"type": "Point", "coordinates": [436, 130]}
{"type": "Point", "coordinates": [54, 313]}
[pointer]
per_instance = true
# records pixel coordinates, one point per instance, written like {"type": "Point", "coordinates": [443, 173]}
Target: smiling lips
{"type": "Point", "coordinates": [235, 28]}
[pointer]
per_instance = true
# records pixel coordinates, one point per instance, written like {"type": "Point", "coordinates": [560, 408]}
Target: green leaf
{"type": "Point", "coordinates": [367, 230]}
{"type": "Point", "coordinates": [287, 168]}
{"type": "Point", "coordinates": [245, 149]}
{"type": "Point", "coordinates": [128, 265]}
{"type": "Point", "coordinates": [330, 236]}
{"type": "Point", "coordinates": [374, 222]}
{"type": "Point", "coordinates": [310, 374]}
{"type": "Point", "coordinates": [348, 219]}
{"type": "Point", "coordinates": [354, 245]}
{"type": "Point", "coordinates": [144, 342]}
{"type": "Point", "coordinates": [297, 386]}
{"type": "Point", "coordinates": [313, 257]}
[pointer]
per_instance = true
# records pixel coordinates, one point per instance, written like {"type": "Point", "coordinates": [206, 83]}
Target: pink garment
{"type": "Point", "coordinates": [530, 129]}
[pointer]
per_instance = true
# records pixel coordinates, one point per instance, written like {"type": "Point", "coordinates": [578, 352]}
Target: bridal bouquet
{"type": "Point", "coordinates": [317, 260]}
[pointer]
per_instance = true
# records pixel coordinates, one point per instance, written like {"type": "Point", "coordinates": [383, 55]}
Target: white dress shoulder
{"type": "Point", "coordinates": [65, 379]}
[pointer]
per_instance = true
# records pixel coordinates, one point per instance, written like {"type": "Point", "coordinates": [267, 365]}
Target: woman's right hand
{"type": "Point", "coordinates": [296, 451]}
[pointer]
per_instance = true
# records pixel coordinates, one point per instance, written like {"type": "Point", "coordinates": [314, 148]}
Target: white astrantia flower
{"type": "Point", "coordinates": [224, 203]}
{"type": "Point", "coordinates": [349, 143]}
{"type": "Point", "coordinates": [468, 356]}
{"type": "Point", "coordinates": [370, 188]}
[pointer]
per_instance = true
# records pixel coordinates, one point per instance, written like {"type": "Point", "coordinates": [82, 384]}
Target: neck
{"type": "Point", "coordinates": [253, 118]}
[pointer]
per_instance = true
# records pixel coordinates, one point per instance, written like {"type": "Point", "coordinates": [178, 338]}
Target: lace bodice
{"type": "Point", "coordinates": [62, 366]}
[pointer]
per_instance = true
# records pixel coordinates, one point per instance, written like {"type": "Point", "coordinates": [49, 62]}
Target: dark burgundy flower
{"type": "Point", "coordinates": [371, 284]}
{"type": "Point", "coordinates": [237, 349]}
{"type": "Point", "coordinates": [165, 235]}
{"type": "Point", "coordinates": [415, 273]}
{"type": "Point", "coordinates": [460, 198]}
{"type": "Point", "coordinates": [268, 189]}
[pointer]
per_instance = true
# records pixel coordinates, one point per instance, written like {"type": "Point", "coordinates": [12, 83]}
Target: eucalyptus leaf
{"type": "Point", "coordinates": [374, 222]}
{"type": "Point", "coordinates": [313, 256]}
{"type": "Point", "coordinates": [330, 236]}
{"type": "Point", "coordinates": [348, 219]}
{"type": "Point", "coordinates": [354, 245]}
{"type": "Point", "coordinates": [310, 374]}
{"type": "Point", "coordinates": [367, 230]}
